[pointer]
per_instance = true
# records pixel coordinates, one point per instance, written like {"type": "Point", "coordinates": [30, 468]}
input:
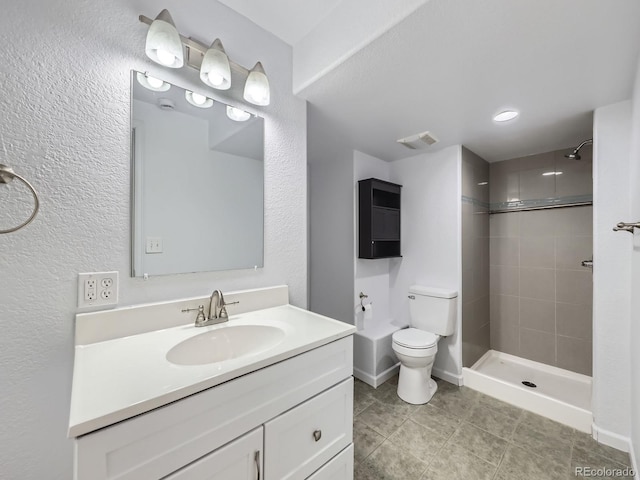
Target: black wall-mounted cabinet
{"type": "Point", "coordinates": [379, 219]}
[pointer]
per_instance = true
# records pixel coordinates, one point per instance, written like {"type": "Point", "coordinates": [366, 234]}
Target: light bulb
{"type": "Point", "coordinates": [237, 115]}
{"type": "Point", "coordinates": [216, 79]}
{"type": "Point", "coordinates": [257, 95]}
{"type": "Point", "coordinates": [154, 82]}
{"type": "Point", "coordinates": [197, 98]}
{"type": "Point", "coordinates": [166, 58]}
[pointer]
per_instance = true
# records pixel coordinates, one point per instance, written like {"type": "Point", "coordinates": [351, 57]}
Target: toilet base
{"type": "Point", "coordinates": [415, 385]}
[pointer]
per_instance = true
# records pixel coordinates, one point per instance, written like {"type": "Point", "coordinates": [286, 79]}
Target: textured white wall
{"type": "Point", "coordinates": [635, 268]}
{"type": "Point", "coordinates": [371, 276]}
{"type": "Point", "coordinates": [431, 238]}
{"type": "Point", "coordinates": [64, 124]}
{"type": "Point", "coordinates": [611, 272]}
{"type": "Point", "coordinates": [331, 220]}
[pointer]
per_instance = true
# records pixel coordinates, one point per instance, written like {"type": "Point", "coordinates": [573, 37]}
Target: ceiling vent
{"type": "Point", "coordinates": [419, 140]}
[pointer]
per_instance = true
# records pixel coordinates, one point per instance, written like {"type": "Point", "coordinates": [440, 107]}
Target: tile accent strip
{"type": "Point", "coordinates": [540, 203]}
{"type": "Point", "coordinates": [474, 201]}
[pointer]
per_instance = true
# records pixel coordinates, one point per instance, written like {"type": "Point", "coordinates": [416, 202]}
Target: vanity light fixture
{"type": "Point", "coordinates": [256, 89]}
{"type": "Point", "coordinates": [163, 44]}
{"type": "Point", "coordinates": [505, 116]}
{"type": "Point", "coordinates": [166, 47]}
{"type": "Point", "coordinates": [237, 115]}
{"type": "Point", "coordinates": [198, 100]}
{"type": "Point", "coordinates": [152, 83]}
{"type": "Point", "coordinates": [215, 70]}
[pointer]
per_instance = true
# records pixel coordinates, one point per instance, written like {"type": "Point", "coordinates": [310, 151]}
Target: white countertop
{"type": "Point", "coordinates": [117, 379]}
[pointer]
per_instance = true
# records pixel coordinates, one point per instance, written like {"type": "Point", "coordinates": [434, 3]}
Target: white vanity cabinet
{"type": "Point", "coordinates": [297, 414]}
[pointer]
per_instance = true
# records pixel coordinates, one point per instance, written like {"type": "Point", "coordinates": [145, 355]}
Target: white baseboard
{"type": "Point", "coordinates": [376, 381]}
{"type": "Point", "coordinates": [447, 376]}
{"type": "Point", "coordinates": [611, 439]}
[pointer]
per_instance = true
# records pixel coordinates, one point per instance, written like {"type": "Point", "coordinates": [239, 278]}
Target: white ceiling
{"type": "Point", "coordinates": [452, 64]}
{"type": "Point", "coordinates": [289, 20]}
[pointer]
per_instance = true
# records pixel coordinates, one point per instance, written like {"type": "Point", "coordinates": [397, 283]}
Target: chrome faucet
{"type": "Point", "coordinates": [217, 310]}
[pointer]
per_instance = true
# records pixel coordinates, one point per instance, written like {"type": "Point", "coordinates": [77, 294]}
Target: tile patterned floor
{"type": "Point", "coordinates": [463, 434]}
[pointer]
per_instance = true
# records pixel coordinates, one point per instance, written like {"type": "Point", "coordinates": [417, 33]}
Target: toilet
{"type": "Point", "coordinates": [432, 313]}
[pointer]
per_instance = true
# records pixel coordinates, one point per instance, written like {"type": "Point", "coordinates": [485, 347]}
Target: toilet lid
{"type": "Point", "coordinates": [414, 338]}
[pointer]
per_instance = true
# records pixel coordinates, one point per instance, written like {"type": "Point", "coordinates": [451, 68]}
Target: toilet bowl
{"type": "Point", "coordinates": [432, 314]}
{"type": "Point", "coordinates": [416, 350]}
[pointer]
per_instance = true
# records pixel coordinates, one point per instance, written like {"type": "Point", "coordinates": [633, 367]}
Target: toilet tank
{"type": "Point", "coordinates": [433, 309]}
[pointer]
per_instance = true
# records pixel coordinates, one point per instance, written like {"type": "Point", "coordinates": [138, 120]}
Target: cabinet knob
{"type": "Point", "coordinates": [317, 435]}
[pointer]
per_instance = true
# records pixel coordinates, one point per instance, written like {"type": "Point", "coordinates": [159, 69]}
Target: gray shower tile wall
{"type": "Point", "coordinates": [541, 296]}
{"type": "Point", "coordinates": [475, 257]}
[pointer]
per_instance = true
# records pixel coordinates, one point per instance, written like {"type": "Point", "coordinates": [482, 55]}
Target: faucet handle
{"type": "Point", "coordinates": [223, 308]}
{"type": "Point", "coordinates": [200, 318]}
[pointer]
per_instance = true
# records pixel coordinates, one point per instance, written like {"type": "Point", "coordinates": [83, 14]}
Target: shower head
{"type": "Point", "coordinates": [575, 155]}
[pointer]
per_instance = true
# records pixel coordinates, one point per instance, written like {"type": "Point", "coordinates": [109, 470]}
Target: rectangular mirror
{"type": "Point", "coordinates": [197, 183]}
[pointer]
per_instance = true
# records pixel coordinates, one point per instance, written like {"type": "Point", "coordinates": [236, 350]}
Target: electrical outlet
{"type": "Point", "coordinates": [106, 294]}
{"type": "Point", "coordinates": [97, 289]}
{"type": "Point", "coordinates": [89, 289]}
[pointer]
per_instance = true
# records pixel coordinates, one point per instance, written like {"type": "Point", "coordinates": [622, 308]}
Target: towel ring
{"type": "Point", "coordinates": [6, 175]}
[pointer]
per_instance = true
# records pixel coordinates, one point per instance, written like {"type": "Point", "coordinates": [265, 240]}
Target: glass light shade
{"type": "Point", "coordinates": [152, 83]}
{"type": "Point", "coordinates": [256, 89]}
{"type": "Point", "coordinates": [163, 44]}
{"type": "Point", "coordinates": [215, 70]}
{"type": "Point", "coordinates": [237, 115]}
{"type": "Point", "coordinates": [198, 100]}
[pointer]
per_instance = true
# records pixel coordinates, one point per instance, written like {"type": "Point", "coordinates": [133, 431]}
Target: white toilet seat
{"type": "Point", "coordinates": [414, 352]}
{"type": "Point", "coordinates": [415, 339]}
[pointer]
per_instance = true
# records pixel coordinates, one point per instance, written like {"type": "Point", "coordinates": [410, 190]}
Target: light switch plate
{"type": "Point", "coordinates": [97, 289]}
{"type": "Point", "coordinates": [153, 245]}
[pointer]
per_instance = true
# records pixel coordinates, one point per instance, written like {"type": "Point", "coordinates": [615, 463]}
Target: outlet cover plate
{"type": "Point", "coordinates": [97, 289]}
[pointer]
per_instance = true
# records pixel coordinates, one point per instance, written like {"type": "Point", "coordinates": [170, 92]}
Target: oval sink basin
{"type": "Point", "coordinates": [225, 344]}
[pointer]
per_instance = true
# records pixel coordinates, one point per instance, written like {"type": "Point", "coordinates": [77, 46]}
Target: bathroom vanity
{"type": "Point", "coordinates": [278, 409]}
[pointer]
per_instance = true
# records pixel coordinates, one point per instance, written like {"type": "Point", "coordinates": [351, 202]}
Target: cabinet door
{"type": "Point", "coordinates": [299, 442]}
{"type": "Point", "coordinates": [385, 224]}
{"type": "Point", "coordinates": [238, 460]}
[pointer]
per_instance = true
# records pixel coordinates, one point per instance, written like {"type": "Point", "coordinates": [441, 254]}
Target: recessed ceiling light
{"type": "Point", "coordinates": [547, 174]}
{"type": "Point", "coordinates": [505, 116]}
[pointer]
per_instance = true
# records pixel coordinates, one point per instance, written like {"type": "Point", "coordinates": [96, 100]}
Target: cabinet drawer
{"type": "Point", "coordinates": [239, 460]}
{"type": "Point", "coordinates": [339, 468]}
{"type": "Point", "coordinates": [300, 441]}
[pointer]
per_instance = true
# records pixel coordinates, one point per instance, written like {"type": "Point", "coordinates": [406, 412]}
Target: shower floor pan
{"type": "Point", "coordinates": [558, 394]}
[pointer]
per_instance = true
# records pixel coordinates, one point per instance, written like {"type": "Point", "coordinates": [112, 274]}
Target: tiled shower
{"type": "Point", "coordinates": [539, 304]}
